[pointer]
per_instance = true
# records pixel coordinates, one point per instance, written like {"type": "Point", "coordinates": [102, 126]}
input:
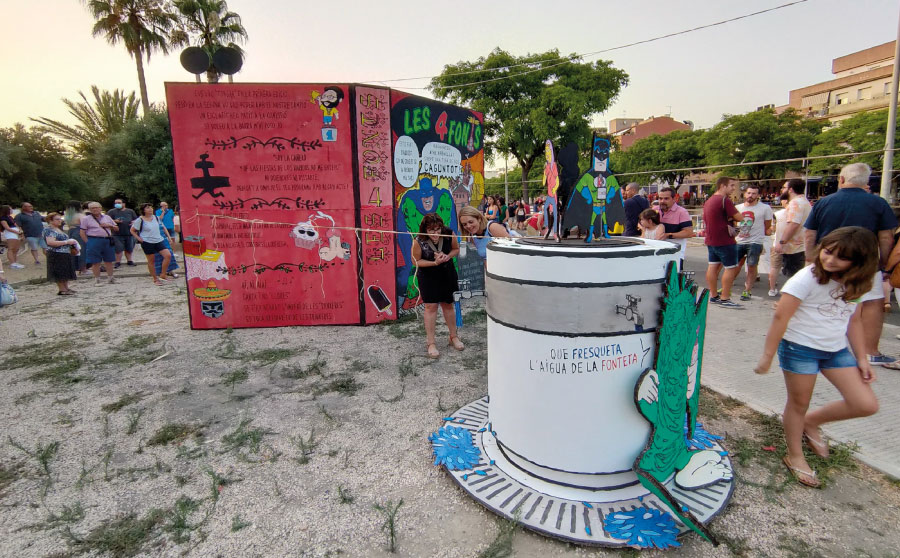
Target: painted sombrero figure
{"type": "Point", "coordinates": [211, 292]}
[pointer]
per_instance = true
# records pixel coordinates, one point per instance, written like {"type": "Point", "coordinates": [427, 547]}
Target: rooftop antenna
{"type": "Point", "coordinates": [669, 114]}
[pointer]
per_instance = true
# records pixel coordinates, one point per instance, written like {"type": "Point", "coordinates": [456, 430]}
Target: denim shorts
{"type": "Point", "coordinates": [751, 252]}
{"type": "Point", "coordinates": [99, 249]}
{"type": "Point", "coordinates": [725, 255]}
{"type": "Point", "coordinates": [801, 359]}
{"type": "Point", "coordinates": [36, 242]}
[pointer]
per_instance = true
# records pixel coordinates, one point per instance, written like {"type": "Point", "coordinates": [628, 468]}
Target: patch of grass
{"type": "Point", "coordinates": [501, 546]}
{"type": "Point", "coordinates": [42, 453]}
{"type": "Point", "coordinates": [235, 377]}
{"type": "Point", "coordinates": [67, 515]}
{"type": "Point", "coordinates": [475, 362]}
{"type": "Point", "coordinates": [475, 317]}
{"type": "Point", "coordinates": [173, 432]}
{"type": "Point", "coordinates": [317, 366]}
{"type": "Point", "coordinates": [122, 402]}
{"type": "Point", "coordinates": [121, 537]}
{"type": "Point", "coordinates": [389, 527]}
{"type": "Point", "coordinates": [325, 413]}
{"type": "Point", "coordinates": [797, 548]}
{"type": "Point", "coordinates": [218, 483]}
{"type": "Point", "coordinates": [134, 416]}
{"type": "Point", "coordinates": [399, 330]}
{"type": "Point", "coordinates": [714, 406]}
{"type": "Point", "coordinates": [134, 350]}
{"type": "Point", "coordinates": [27, 398]}
{"type": "Point", "coordinates": [62, 370]}
{"type": "Point", "coordinates": [739, 546]}
{"type": "Point", "coordinates": [305, 447]}
{"type": "Point", "coordinates": [359, 366]}
{"type": "Point", "coordinates": [405, 368]}
{"type": "Point", "coordinates": [344, 495]}
{"type": "Point", "coordinates": [237, 523]}
{"type": "Point", "coordinates": [177, 520]}
{"type": "Point", "coordinates": [244, 437]}
{"type": "Point", "coordinates": [265, 357]}
{"type": "Point", "coordinates": [90, 325]}
{"type": "Point", "coordinates": [345, 385]}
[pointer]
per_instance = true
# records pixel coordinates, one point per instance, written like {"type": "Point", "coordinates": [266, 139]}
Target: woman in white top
{"type": "Point", "coordinates": [816, 315]}
{"type": "Point", "coordinates": [148, 232]}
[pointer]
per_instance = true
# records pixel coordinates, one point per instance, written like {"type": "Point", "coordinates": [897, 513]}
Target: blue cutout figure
{"type": "Point", "coordinates": [454, 448]}
{"type": "Point", "coordinates": [643, 527]}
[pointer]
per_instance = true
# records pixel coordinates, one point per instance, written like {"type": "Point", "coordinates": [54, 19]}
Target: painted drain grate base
{"type": "Point", "coordinates": [572, 515]}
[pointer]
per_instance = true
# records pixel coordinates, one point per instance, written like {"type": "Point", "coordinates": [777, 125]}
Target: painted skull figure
{"type": "Point", "coordinates": [306, 233]}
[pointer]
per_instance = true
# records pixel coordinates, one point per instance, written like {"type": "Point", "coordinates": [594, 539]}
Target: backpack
{"type": "Point", "coordinates": [7, 295]}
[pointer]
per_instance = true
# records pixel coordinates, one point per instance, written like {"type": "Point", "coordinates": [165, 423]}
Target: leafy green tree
{"type": "Point", "coordinates": [529, 99]}
{"type": "Point", "coordinates": [865, 131]}
{"type": "Point", "coordinates": [137, 161]}
{"type": "Point", "coordinates": [210, 25]}
{"type": "Point", "coordinates": [141, 25]}
{"type": "Point", "coordinates": [96, 121]}
{"type": "Point", "coordinates": [36, 168]}
{"type": "Point", "coordinates": [676, 150]}
{"type": "Point", "coordinates": [761, 135]}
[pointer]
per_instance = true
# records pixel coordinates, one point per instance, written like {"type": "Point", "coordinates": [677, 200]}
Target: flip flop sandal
{"type": "Point", "coordinates": [819, 448]}
{"type": "Point", "coordinates": [891, 365]}
{"type": "Point", "coordinates": [806, 478]}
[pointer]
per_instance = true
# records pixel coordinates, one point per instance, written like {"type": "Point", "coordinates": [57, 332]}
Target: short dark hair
{"type": "Point", "coordinates": [668, 189]}
{"type": "Point", "coordinates": [723, 181]}
{"type": "Point", "coordinates": [144, 205]}
{"type": "Point", "coordinates": [753, 186]}
{"type": "Point", "coordinates": [430, 221]}
{"type": "Point", "coordinates": [797, 185]}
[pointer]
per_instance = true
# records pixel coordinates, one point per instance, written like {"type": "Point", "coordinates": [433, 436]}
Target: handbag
{"type": "Point", "coordinates": [7, 295]}
{"type": "Point", "coordinates": [732, 230]}
{"type": "Point", "coordinates": [895, 277]}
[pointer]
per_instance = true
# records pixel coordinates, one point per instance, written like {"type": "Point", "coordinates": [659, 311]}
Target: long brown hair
{"type": "Point", "coordinates": [858, 245]}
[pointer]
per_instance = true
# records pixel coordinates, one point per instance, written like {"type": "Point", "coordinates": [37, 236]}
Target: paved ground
{"type": "Point", "coordinates": [734, 340]}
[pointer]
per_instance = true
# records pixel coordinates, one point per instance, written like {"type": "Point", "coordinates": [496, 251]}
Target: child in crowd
{"type": "Point", "coordinates": [817, 313]}
{"type": "Point", "coordinates": [651, 227]}
{"type": "Point", "coordinates": [433, 253]}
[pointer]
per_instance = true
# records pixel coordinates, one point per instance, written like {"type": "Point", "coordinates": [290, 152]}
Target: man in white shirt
{"type": "Point", "coordinates": [792, 238]}
{"type": "Point", "coordinates": [755, 226]}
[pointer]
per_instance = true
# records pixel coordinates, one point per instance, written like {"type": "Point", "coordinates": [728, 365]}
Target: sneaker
{"type": "Point", "coordinates": [16, 265]}
{"type": "Point", "coordinates": [112, 280]}
{"type": "Point", "coordinates": [117, 266]}
{"type": "Point", "coordinates": [715, 299]}
{"type": "Point", "coordinates": [37, 262]}
{"type": "Point", "coordinates": [729, 304]}
{"type": "Point", "coordinates": [881, 359]}
{"type": "Point", "coordinates": [773, 292]}
{"type": "Point", "coordinates": [131, 264]}
{"type": "Point", "coordinates": [745, 295]}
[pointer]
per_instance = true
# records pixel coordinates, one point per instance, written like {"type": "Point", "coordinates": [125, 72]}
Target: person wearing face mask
{"type": "Point", "coordinates": [123, 216]}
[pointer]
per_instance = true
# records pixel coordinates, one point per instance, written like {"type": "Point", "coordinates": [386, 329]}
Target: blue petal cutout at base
{"type": "Point", "coordinates": [643, 527]}
{"type": "Point", "coordinates": [454, 448]}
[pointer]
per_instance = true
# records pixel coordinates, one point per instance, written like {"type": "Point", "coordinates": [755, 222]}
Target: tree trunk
{"type": "Point", "coordinates": [142, 81]}
{"type": "Point", "coordinates": [212, 76]}
{"type": "Point", "coordinates": [526, 168]}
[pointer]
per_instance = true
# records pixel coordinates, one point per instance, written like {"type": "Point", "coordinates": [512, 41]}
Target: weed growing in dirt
{"type": "Point", "coordinates": [27, 398]}
{"type": "Point", "coordinates": [345, 385]}
{"type": "Point", "coordinates": [9, 473]}
{"type": "Point", "coordinates": [344, 495]}
{"type": "Point", "coordinates": [394, 399]}
{"type": "Point", "coordinates": [42, 453]}
{"type": "Point", "coordinates": [173, 432]}
{"type": "Point", "coordinates": [122, 537]}
{"type": "Point", "coordinates": [237, 523]}
{"type": "Point", "coordinates": [501, 546]}
{"type": "Point", "coordinates": [235, 377]}
{"type": "Point", "coordinates": [124, 401]}
{"type": "Point", "coordinates": [317, 366]}
{"type": "Point", "coordinates": [218, 483]}
{"type": "Point", "coordinates": [406, 368]}
{"type": "Point", "coordinates": [62, 370]}
{"type": "Point", "coordinates": [134, 416]}
{"type": "Point", "coordinates": [90, 325]}
{"type": "Point", "coordinates": [359, 366]}
{"type": "Point", "coordinates": [177, 523]}
{"type": "Point", "coordinates": [389, 527]}
{"type": "Point", "coordinates": [325, 413]}
{"type": "Point", "coordinates": [34, 356]}
{"type": "Point", "coordinates": [244, 437]}
{"type": "Point", "coordinates": [305, 447]}
{"type": "Point", "coordinates": [265, 357]}
{"type": "Point", "coordinates": [475, 317]}
{"type": "Point", "coordinates": [67, 515]}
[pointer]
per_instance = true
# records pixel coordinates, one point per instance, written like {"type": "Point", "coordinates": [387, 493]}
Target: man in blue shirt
{"type": "Point", "coordinates": [32, 224]}
{"type": "Point", "coordinates": [166, 217]}
{"type": "Point", "coordinates": [634, 204]}
{"type": "Point", "coordinates": [853, 206]}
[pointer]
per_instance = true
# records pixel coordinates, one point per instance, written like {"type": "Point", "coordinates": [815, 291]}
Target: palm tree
{"type": "Point", "coordinates": [96, 121]}
{"type": "Point", "coordinates": [210, 25]}
{"type": "Point", "coordinates": [142, 25]}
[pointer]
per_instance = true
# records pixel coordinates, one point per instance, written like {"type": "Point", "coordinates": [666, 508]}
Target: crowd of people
{"type": "Point", "coordinates": [82, 239]}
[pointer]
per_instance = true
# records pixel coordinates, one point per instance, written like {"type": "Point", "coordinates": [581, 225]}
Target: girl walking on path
{"type": "Point", "coordinates": [149, 233]}
{"type": "Point", "coordinates": [816, 315]}
{"type": "Point", "coordinates": [433, 253]}
{"type": "Point", "coordinates": [60, 264]}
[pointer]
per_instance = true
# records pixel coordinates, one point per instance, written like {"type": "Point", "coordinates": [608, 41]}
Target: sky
{"type": "Point", "coordinates": [48, 52]}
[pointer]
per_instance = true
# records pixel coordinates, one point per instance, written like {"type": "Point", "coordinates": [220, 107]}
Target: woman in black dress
{"type": "Point", "coordinates": [433, 254]}
{"type": "Point", "coordinates": [60, 265]}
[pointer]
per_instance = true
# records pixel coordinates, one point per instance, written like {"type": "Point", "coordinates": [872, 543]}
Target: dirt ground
{"type": "Point", "coordinates": [128, 434]}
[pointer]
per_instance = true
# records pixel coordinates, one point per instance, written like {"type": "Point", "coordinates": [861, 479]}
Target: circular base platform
{"type": "Point", "coordinates": [572, 514]}
{"type": "Point", "coordinates": [617, 242]}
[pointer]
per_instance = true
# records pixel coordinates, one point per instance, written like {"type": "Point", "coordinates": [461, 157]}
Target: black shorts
{"type": "Point", "coordinates": [151, 248]}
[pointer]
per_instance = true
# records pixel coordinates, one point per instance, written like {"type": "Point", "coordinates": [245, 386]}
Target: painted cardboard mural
{"type": "Point", "coordinates": [438, 168]}
{"type": "Point", "coordinates": [595, 205]}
